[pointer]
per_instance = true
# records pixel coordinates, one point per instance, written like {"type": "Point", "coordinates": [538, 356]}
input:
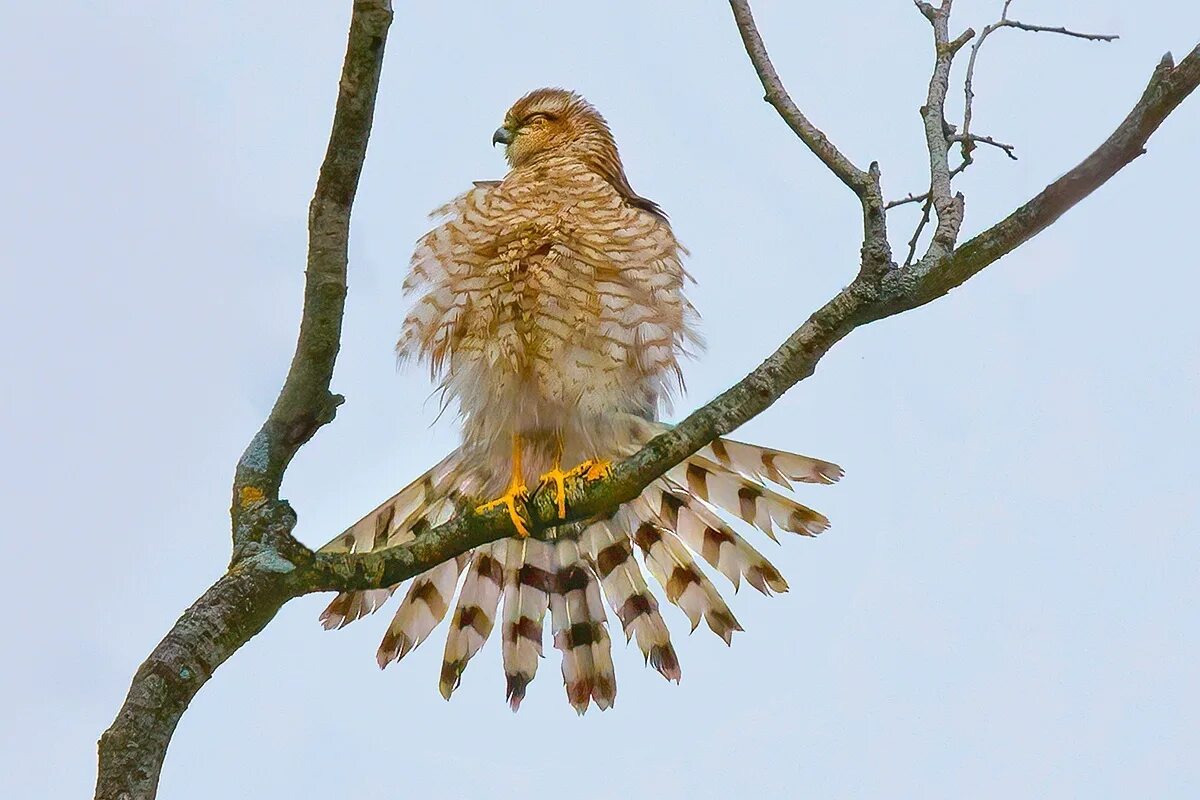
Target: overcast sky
{"type": "Point", "coordinates": [1007, 602]}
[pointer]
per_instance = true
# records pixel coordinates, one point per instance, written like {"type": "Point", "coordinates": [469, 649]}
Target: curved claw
{"type": "Point", "coordinates": [509, 501]}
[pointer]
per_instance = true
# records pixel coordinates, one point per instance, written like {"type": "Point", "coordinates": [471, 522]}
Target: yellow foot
{"type": "Point", "coordinates": [559, 479]}
{"type": "Point", "coordinates": [509, 500]}
{"type": "Point", "coordinates": [592, 469]}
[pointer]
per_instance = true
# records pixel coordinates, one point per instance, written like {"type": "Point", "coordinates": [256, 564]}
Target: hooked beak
{"type": "Point", "coordinates": [502, 136]}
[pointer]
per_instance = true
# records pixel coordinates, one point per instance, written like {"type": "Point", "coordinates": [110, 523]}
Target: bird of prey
{"type": "Point", "coordinates": [550, 307]}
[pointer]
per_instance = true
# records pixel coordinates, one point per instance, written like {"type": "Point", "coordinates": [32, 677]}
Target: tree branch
{"type": "Point", "coordinates": [777, 96]}
{"type": "Point", "coordinates": [947, 206]}
{"type": "Point", "coordinates": [265, 556]}
{"type": "Point", "coordinates": [1169, 86]}
{"type": "Point", "coordinates": [861, 302]}
{"type": "Point", "coordinates": [876, 253]}
{"type": "Point", "coordinates": [966, 138]}
{"type": "Point", "coordinates": [270, 567]}
{"type": "Point", "coordinates": [305, 402]}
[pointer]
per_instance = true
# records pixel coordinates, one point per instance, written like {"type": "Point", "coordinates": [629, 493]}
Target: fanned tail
{"type": "Point", "coordinates": [527, 584]}
{"type": "Point", "coordinates": [475, 614]}
{"type": "Point", "coordinates": [580, 626]}
{"type": "Point", "coordinates": [674, 519]}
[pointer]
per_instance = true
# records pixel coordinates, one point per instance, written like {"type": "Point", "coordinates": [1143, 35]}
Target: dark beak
{"type": "Point", "coordinates": [502, 136]}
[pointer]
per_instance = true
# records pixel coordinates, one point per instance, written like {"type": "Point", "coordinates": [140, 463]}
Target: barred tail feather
{"type": "Point", "coordinates": [392, 522]}
{"type": "Point", "coordinates": [611, 553]}
{"type": "Point", "coordinates": [708, 535]}
{"type": "Point", "coordinates": [777, 466]}
{"type": "Point", "coordinates": [527, 584]}
{"type": "Point", "coordinates": [475, 613]}
{"type": "Point", "coordinates": [419, 613]}
{"type": "Point", "coordinates": [747, 499]}
{"type": "Point", "coordinates": [579, 624]}
{"type": "Point", "coordinates": [349, 606]}
{"type": "Point", "coordinates": [686, 586]}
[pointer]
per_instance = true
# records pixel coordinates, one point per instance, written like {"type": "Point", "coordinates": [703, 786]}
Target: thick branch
{"type": "Point", "coordinates": [235, 608]}
{"type": "Point", "coordinates": [266, 557]}
{"type": "Point", "coordinates": [305, 402]}
{"type": "Point", "coordinates": [947, 206]}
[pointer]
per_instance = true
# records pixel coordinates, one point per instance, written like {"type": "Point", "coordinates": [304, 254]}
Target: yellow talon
{"type": "Point", "coordinates": [589, 470]}
{"type": "Point", "coordinates": [597, 469]}
{"type": "Point", "coordinates": [593, 469]}
{"type": "Point", "coordinates": [509, 501]}
{"type": "Point", "coordinates": [516, 491]}
{"type": "Point", "coordinates": [559, 479]}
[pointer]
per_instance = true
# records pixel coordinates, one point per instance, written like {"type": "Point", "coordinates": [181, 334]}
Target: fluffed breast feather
{"type": "Point", "coordinates": [553, 271]}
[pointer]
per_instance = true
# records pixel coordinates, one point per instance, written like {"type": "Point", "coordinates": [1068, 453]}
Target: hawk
{"type": "Point", "coordinates": [550, 307]}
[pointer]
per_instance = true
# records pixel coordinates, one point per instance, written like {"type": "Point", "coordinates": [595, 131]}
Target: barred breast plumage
{"type": "Point", "coordinates": [550, 306]}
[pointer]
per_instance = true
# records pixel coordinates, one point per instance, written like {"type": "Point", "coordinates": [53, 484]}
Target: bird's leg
{"type": "Point", "coordinates": [558, 478]}
{"type": "Point", "coordinates": [516, 492]}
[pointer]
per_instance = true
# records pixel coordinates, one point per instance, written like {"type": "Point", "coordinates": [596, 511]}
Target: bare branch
{"type": "Point", "coordinates": [1168, 87]}
{"type": "Point", "coordinates": [947, 206]}
{"type": "Point", "coordinates": [1095, 37]}
{"type": "Point", "coordinates": [266, 557]}
{"type": "Point", "coordinates": [916, 237]}
{"type": "Point", "coordinates": [967, 139]}
{"type": "Point", "coordinates": [305, 402]}
{"type": "Point", "coordinates": [777, 96]}
{"type": "Point", "coordinates": [909, 198]}
{"type": "Point", "coordinates": [876, 252]}
{"type": "Point", "coordinates": [976, 139]}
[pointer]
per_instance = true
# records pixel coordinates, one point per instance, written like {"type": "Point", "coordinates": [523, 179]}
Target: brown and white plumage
{"type": "Point", "coordinates": [550, 307]}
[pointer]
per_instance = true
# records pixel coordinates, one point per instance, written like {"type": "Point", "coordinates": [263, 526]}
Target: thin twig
{"type": "Point", "coordinates": [912, 243]}
{"type": "Point", "coordinates": [1094, 37]}
{"type": "Point", "coordinates": [977, 139]}
{"type": "Point", "coordinates": [968, 140]}
{"type": "Point", "coordinates": [909, 198]}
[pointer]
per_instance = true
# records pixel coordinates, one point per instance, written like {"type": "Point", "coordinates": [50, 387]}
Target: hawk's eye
{"type": "Point", "coordinates": [536, 119]}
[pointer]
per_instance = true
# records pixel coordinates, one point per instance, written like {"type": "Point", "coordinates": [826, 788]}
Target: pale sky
{"type": "Point", "coordinates": [1006, 605]}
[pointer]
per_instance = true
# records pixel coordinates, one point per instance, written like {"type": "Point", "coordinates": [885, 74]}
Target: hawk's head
{"type": "Point", "coordinates": [555, 121]}
{"type": "Point", "coordinates": [552, 120]}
